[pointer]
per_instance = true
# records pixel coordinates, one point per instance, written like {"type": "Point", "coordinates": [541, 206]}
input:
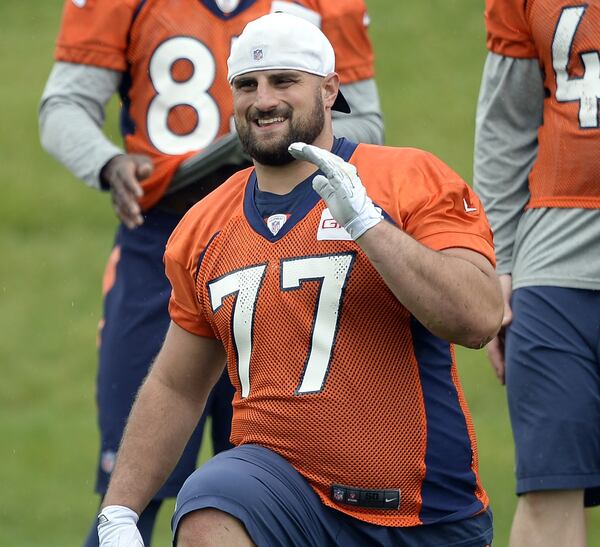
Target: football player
{"type": "Point", "coordinates": [337, 324]}
{"type": "Point", "coordinates": [167, 61]}
{"type": "Point", "coordinates": [537, 169]}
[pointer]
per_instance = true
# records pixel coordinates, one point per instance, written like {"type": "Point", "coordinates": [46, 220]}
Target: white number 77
{"type": "Point", "coordinates": [331, 271]}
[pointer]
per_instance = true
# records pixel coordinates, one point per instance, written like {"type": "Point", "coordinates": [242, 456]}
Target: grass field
{"type": "Point", "coordinates": [56, 235]}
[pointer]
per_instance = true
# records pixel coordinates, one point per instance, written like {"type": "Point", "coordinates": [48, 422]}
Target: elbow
{"type": "Point", "coordinates": [482, 327]}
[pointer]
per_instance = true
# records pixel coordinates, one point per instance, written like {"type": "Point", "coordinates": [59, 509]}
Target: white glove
{"type": "Point", "coordinates": [117, 527]}
{"type": "Point", "coordinates": [341, 188]}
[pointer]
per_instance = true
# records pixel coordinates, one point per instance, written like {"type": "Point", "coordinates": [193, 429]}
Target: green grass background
{"type": "Point", "coordinates": [56, 235]}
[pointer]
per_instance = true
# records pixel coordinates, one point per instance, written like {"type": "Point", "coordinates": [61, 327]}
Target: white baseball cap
{"type": "Point", "coordinates": [283, 41]}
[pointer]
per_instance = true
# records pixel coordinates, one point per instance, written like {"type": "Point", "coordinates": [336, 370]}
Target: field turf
{"type": "Point", "coordinates": [56, 235]}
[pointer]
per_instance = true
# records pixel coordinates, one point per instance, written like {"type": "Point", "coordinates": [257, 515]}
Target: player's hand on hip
{"type": "Point", "coordinates": [341, 188]}
{"type": "Point", "coordinates": [123, 174]}
{"type": "Point", "coordinates": [117, 527]}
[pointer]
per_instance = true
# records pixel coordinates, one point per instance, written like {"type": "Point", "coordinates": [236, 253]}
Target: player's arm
{"type": "Point", "coordinates": [454, 293]}
{"type": "Point", "coordinates": [162, 419]}
{"type": "Point", "coordinates": [71, 117]}
{"type": "Point", "coordinates": [509, 113]}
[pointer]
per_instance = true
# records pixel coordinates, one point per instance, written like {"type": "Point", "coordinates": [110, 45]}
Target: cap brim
{"type": "Point", "coordinates": [341, 104]}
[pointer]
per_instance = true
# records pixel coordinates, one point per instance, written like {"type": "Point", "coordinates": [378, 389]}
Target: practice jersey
{"type": "Point", "coordinates": [564, 37]}
{"type": "Point", "coordinates": [330, 370]}
{"type": "Point", "coordinates": [175, 96]}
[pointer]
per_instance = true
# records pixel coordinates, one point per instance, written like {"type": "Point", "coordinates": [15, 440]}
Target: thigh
{"type": "Point", "coordinates": [553, 386]}
{"type": "Point", "coordinates": [263, 491]}
{"type": "Point", "coordinates": [279, 508]}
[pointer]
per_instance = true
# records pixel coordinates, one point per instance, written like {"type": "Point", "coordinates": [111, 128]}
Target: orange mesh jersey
{"type": "Point", "coordinates": [330, 370]}
{"type": "Point", "coordinates": [175, 95]}
{"type": "Point", "coordinates": [564, 37]}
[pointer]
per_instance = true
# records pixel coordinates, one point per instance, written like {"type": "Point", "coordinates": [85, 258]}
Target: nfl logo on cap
{"type": "Point", "coordinates": [257, 54]}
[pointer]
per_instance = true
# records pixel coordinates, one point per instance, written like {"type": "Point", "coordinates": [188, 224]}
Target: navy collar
{"type": "Point", "coordinates": [212, 6]}
{"type": "Point", "coordinates": [341, 147]}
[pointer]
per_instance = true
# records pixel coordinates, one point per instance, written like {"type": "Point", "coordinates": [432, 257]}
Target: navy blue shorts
{"type": "Point", "coordinates": [136, 319]}
{"type": "Point", "coordinates": [553, 386]}
{"type": "Point", "coordinates": [279, 508]}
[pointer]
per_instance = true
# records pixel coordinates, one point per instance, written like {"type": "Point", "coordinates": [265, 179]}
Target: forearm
{"type": "Point", "coordinates": [164, 415]}
{"type": "Point", "coordinates": [158, 429]}
{"type": "Point", "coordinates": [71, 118]}
{"type": "Point", "coordinates": [61, 125]}
{"type": "Point", "coordinates": [451, 296]}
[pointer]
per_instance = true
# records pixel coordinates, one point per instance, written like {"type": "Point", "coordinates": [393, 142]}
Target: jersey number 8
{"type": "Point", "coordinates": [192, 92]}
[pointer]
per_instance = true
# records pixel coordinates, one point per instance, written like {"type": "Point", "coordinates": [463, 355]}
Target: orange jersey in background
{"type": "Point", "coordinates": [175, 95]}
{"type": "Point", "coordinates": [330, 370]}
{"type": "Point", "coordinates": [564, 37]}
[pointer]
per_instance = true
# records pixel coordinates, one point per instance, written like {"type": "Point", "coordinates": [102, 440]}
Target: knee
{"type": "Point", "coordinates": [208, 527]}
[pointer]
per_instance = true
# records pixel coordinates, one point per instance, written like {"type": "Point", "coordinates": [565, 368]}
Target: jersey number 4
{"type": "Point", "coordinates": [586, 89]}
{"type": "Point", "coordinates": [331, 271]}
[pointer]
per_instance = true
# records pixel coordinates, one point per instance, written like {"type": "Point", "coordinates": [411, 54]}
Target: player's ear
{"type": "Point", "coordinates": [329, 89]}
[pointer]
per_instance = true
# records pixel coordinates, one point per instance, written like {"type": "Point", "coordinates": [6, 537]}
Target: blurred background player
{"type": "Point", "coordinates": [349, 420]}
{"type": "Point", "coordinates": [168, 64]}
{"type": "Point", "coordinates": [537, 170]}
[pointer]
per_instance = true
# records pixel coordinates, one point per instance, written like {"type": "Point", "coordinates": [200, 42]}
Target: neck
{"type": "Point", "coordinates": [283, 179]}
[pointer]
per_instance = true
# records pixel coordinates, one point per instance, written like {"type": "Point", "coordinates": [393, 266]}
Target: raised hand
{"type": "Point", "coordinates": [341, 188]}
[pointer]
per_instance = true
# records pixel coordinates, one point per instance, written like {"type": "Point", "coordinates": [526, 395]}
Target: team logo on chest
{"type": "Point", "coordinates": [227, 6]}
{"type": "Point", "coordinates": [275, 222]}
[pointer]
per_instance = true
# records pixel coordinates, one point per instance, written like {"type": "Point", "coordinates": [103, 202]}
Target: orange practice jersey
{"type": "Point", "coordinates": [175, 95]}
{"type": "Point", "coordinates": [564, 37]}
{"type": "Point", "coordinates": [330, 370]}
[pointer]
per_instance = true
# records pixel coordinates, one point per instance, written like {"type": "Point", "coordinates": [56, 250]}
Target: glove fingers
{"type": "Point", "coordinates": [322, 186]}
{"type": "Point", "coordinates": [318, 156]}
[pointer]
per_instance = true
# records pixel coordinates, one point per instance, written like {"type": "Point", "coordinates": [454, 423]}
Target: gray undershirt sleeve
{"type": "Point", "coordinates": [364, 123]}
{"type": "Point", "coordinates": [71, 117]}
{"type": "Point", "coordinates": [509, 113]}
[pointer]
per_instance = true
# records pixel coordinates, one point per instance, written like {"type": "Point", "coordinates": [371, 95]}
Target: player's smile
{"type": "Point", "coordinates": [269, 121]}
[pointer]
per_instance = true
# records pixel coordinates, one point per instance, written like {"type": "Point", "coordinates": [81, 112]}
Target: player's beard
{"type": "Point", "coordinates": [275, 152]}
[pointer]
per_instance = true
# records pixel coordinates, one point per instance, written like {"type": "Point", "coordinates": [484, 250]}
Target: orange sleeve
{"type": "Point", "coordinates": [427, 199]}
{"type": "Point", "coordinates": [507, 29]}
{"type": "Point", "coordinates": [447, 212]}
{"type": "Point", "coordinates": [344, 22]}
{"type": "Point", "coordinates": [181, 263]}
{"type": "Point", "coordinates": [96, 33]}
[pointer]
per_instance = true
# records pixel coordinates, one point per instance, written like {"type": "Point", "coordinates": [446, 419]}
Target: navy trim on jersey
{"type": "Point", "coordinates": [273, 202]}
{"type": "Point", "coordinates": [211, 6]}
{"type": "Point", "coordinates": [126, 121]}
{"type": "Point", "coordinates": [448, 490]}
